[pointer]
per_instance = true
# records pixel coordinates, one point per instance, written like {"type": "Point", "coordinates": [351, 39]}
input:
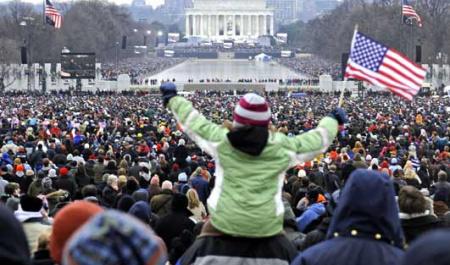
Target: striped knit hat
{"type": "Point", "coordinates": [252, 110]}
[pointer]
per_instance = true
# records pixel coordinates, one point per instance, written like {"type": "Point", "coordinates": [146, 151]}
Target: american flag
{"type": "Point", "coordinates": [52, 15]}
{"type": "Point", "coordinates": [409, 14]}
{"type": "Point", "coordinates": [384, 67]}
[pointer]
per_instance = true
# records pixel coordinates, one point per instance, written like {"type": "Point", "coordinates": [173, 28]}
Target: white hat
{"type": "Point", "coordinates": [52, 173]}
{"type": "Point", "coordinates": [182, 177]}
{"type": "Point", "coordinates": [301, 173]}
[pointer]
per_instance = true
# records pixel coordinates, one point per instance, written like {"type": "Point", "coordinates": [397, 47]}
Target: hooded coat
{"type": "Point", "coordinates": [312, 213]}
{"type": "Point", "coordinates": [246, 199]}
{"type": "Point", "coordinates": [13, 246]}
{"type": "Point", "coordinates": [365, 228]}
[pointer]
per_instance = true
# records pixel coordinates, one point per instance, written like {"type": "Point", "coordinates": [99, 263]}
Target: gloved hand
{"type": "Point", "coordinates": [168, 91]}
{"type": "Point", "coordinates": [339, 115]}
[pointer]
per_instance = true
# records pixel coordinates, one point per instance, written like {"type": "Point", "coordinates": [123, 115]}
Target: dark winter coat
{"type": "Point", "coordinates": [161, 204]}
{"type": "Point", "coordinates": [213, 247]}
{"type": "Point", "coordinates": [202, 187]}
{"type": "Point", "coordinates": [365, 228]}
{"type": "Point", "coordinates": [414, 227]}
{"type": "Point", "coordinates": [109, 194]}
{"type": "Point", "coordinates": [171, 225]}
{"type": "Point", "coordinates": [317, 178]}
{"type": "Point", "coordinates": [332, 182]}
{"type": "Point", "coordinates": [316, 236]}
{"type": "Point", "coordinates": [180, 155]}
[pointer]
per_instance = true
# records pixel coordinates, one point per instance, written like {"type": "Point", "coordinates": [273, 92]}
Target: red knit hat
{"type": "Point", "coordinates": [252, 110]}
{"type": "Point", "coordinates": [63, 171]}
{"type": "Point", "coordinates": [66, 222]}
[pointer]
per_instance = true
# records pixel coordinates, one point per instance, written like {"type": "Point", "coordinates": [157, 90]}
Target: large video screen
{"type": "Point", "coordinates": [78, 65]}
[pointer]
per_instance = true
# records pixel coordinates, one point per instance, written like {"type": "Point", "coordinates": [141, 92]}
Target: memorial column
{"type": "Point", "coordinates": [209, 26]}
{"type": "Point", "coordinates": [194, 24]}
{"type": "Point", "coordinates": [272, 31]}
{"type": "Point", "coordinates": [241, 28]}
{"type": "Point", "coordinates": [264, 25]}
{"type": "Point", "coordinates": [202, 26]}
{"type": "Point", "coordinates": [217, 25]}
{"type": "Point", "coordinates": [257, 25]}
{"type": "Point", "coordinates": [187, 28]}
{"type": "Point", "coordinates": [250, 24]}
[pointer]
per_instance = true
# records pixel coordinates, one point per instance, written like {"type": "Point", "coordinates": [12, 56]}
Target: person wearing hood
{"type": "Point", "coordinates": [240, 152]}
{"type": "Point", "coordinates": [320, 233]}
{"type": "Point", "coordinates": [14, 248]}
{"type": "Point", "coordinates": [141, 210]}
{"type": "Point", "coordinates": [365, 228]}
{"type": "Point", "coordinates": [125, 203]}
{"type": "Point", "coordinates": [6, 159]}
{"type": "Point", "coordinates": [172, 224]}
{"type": "Point", "coordinates": [415, 218]}
{"type": "Point", "coordinates": [313, 213]}
{"type": "Point", "coordinates": [358, 147]}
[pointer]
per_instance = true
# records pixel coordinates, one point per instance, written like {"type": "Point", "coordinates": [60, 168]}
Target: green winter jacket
{"type": "Point", "coordinates": [246, 200]}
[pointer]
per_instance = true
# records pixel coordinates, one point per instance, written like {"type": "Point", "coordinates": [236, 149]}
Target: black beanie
{"type": "Point", "coordinates": [179, 203]}
{"type": "Point", "coordinates": [30, 203]}
{"type": "Point", "coordinates": [132, 186]}
{"type": "Point", "coordinates": [125, 203]}
{"type": "Point", "coordinates": [312, 196]}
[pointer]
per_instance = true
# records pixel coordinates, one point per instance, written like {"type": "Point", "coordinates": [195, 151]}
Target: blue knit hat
{"type": "Point", "coordinates": [115, 238]}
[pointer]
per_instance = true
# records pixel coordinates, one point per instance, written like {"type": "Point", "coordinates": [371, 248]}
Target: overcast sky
{"type": "Point", "coordinates": [154, 3]}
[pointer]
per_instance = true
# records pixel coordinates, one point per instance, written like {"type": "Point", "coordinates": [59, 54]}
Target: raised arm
{"type": "Point", "coordinates": [205, 133]}
{"type": "Point", "coordinates": [315, 142]}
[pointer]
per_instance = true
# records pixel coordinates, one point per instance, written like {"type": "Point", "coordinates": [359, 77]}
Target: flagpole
{"type": "Point", "coordinates": [43, 12]}
{"type": "Point", "coordinates": [344, 84]}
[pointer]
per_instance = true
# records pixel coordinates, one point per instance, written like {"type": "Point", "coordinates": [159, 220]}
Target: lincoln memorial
{"type": "Point", "coordinates": [229, 19]}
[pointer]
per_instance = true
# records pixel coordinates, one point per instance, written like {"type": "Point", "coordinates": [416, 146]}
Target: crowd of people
{"type": "Point", "coordinates": [312, 66]}
{"type": "Point", "coordinates": [120, 179]}
{"type": "Point", "coordinates": [136, 68]}
{"type": "Point", "coordinates": [281, 82]}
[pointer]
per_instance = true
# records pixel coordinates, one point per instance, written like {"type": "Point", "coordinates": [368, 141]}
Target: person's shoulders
{"type": "Point", "coordinates": [342, 251]}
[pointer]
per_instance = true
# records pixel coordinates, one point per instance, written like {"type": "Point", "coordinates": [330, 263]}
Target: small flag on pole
{"type": "Point", "coordinates": [384, 67]}
{"type": "Point", "coordinates": [52, 15]}
{"type": "Point", "coordinates": [409, 14]}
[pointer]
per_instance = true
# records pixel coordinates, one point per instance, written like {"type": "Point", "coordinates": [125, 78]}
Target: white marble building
{"type": "Point", "coordinates": [229, 19]}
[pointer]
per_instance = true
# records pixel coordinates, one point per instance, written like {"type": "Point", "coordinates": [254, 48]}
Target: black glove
{"type": "Point", "coordinates": [339, 115]}
{"type": "Point", "coordinates": [168, 91]}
